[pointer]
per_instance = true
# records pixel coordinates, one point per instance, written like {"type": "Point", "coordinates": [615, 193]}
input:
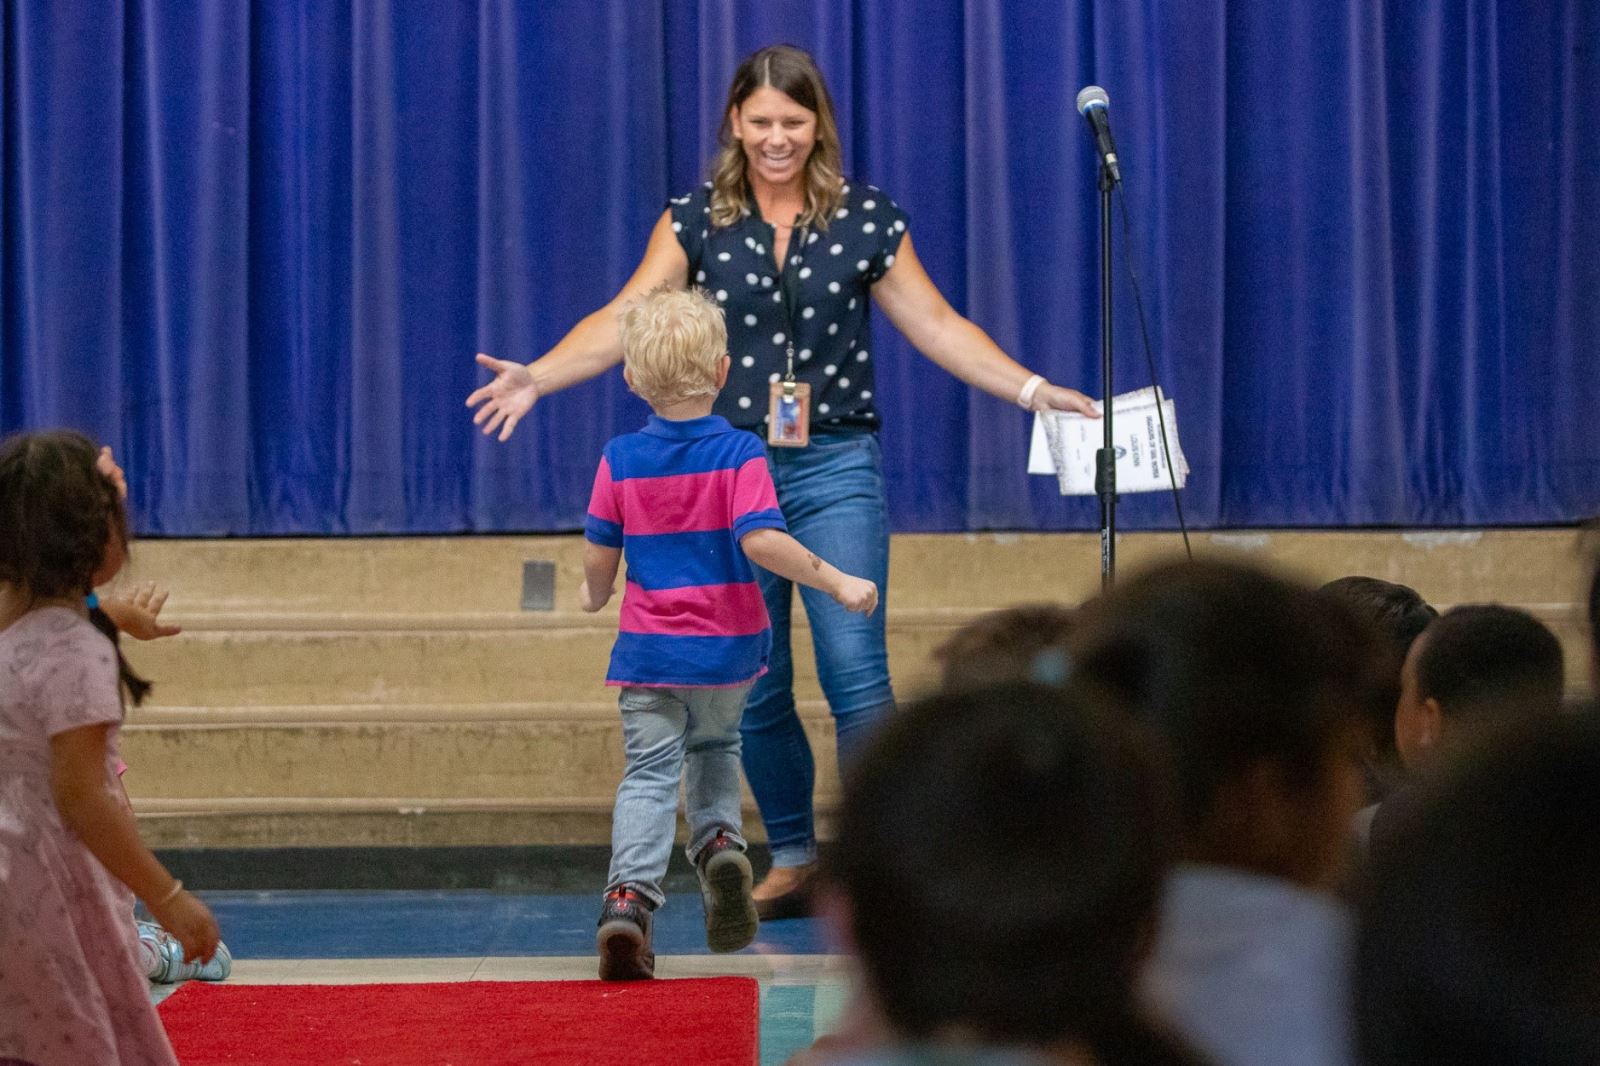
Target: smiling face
{"type": "Point", "coordinates": [777, 135]}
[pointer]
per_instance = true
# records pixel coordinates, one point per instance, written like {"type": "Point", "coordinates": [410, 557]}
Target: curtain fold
{"type": "Point", "coordinates": [254, 246]}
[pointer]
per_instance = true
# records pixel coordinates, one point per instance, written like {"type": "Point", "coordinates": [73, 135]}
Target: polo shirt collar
{"type": "Point", "coordinates": [688, 428]}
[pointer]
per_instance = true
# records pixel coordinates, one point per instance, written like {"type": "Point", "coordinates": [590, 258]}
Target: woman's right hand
{"type": "Point", "coordinates": [506, 399]}
{"type": "Point", "coordinates": [191, 921]}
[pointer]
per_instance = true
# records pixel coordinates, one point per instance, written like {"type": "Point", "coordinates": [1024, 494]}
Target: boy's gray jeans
{"type": "Point", "coordinates": [670, 734]}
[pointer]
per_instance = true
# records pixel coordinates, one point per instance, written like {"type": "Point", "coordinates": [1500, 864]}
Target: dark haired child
{"type": "Point", "coordinates": [136, 611]}
{"type": "Point", "coordinates": [1263, 690]}
{"type": "Point", "coordinates": [71, 990]}
{"type": "Point", "coordinates": [1478, 668]}
{"type": "Point", "coordinates": [1401, 614]}
{"type": "Point", "coordinates": [1479, 940]}
{"type": "Point", "coordinates": [997, 873]}
{"type": "Point", "coordinates": [1479, 664]}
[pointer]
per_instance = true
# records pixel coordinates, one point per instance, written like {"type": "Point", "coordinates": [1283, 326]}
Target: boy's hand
{"type": "Point", "coordinates": [590, 600]}
{"type": "Point", "coordinates": [856, 595]}
{"type": "Point", "coordinates": [137, 611]}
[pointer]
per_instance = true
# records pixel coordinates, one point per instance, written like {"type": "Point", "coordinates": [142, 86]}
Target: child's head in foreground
{"type": "Point", "coordinates": [1479, 939]}
{"type": "Point", "coordinates": [674, 346]}
{"type": "Point", "coordinates": [1000, 855]}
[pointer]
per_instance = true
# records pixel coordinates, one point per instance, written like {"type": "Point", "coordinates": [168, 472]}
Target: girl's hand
{"type": "Point", "coordinates": [137, 612]}
{"type": "Point", "coordinates": [506, 399]}
{"type": "Point", "coordinates": [191, 921]}
{"type": "Point", "coordinates": [108, 466]}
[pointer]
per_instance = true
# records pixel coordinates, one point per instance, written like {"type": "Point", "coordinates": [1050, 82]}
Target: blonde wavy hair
{"type": "Point", "coordinates": [794, 73]}
{"type": "Point", "coordinates": [673, 343]}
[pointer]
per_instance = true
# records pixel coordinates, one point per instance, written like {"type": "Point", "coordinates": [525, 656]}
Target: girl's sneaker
{"type": "Point", "coordinates": [623, 938]}
{"type": "Point", "coordinates": [164, 958]}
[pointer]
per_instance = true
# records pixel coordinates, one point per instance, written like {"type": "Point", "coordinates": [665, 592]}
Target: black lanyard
{"type": "Point", "coordinates": [788, 289]}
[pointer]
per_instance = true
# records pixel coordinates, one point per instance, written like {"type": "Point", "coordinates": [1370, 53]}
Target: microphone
{"type": "Point", "coordinates": [1095, 105]}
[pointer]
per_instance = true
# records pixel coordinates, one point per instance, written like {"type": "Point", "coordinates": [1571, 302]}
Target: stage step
{"type": "Point", "coordinates": [354, 660]}
{"type": "Point", "coordinates": [548, 753]}
{"type": "Point", "coordinates": [381, 691]}
{"type": "Point", "coordinates": [483, 574]}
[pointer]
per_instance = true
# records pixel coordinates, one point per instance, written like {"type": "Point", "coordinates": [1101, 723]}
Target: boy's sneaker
{"type": "Point", "coordinates": [725, 883]}
{"type": "Point", "coordinates": [169, 968]}
{"type": "Point", "coordinates": [623, 939]}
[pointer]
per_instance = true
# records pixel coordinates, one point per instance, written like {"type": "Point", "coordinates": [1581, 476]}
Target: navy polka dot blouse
{"type": "Point", "coordinates": [832, 270]}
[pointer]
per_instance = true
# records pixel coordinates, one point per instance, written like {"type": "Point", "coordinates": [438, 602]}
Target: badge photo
{"type": "Point", "coordinates": [789, 415]}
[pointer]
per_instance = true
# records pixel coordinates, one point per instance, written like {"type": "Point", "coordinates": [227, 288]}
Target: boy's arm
{"type": "Point", "coordinates": [775, 550]}
{"type": "Point", "coordinates": [599, 575]}
{"type": "Point", "coordinates": [602, 533]}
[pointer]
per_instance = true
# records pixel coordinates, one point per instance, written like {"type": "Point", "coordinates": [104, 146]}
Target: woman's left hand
{"type": "Point", "coordinates": [1055, 398]}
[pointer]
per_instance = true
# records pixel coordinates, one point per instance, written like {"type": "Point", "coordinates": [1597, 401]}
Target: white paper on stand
{"type": "Point", "coordinates": [1064, 444]}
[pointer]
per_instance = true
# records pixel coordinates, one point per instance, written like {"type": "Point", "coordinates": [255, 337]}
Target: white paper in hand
{"type": "Point", "coordinates": [1064, 444]}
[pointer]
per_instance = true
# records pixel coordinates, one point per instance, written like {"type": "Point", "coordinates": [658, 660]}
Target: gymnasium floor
{"type": "Point", "coordinates": [365, 937]}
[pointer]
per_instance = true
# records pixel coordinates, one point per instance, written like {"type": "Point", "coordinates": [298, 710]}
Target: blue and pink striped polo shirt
{"type": "Point", "coordinates": [676, 497]}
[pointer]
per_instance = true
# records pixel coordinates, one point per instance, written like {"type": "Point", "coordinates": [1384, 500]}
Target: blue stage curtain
{"type": "Point", "coordinates": [254, 246]}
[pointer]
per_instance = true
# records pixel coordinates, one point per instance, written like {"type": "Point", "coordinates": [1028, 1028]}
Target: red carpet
{"type": "Point", "coordinates": [710, 1022]}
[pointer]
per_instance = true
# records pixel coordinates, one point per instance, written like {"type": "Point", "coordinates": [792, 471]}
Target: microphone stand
{"type": "Point", "coordinates": [1105, 472]}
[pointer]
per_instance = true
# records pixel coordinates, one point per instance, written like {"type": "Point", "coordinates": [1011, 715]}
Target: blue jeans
{"type": "Point", "coordinates": [668, 734]}
{"type": "Point", "coordinates": [832, 498]}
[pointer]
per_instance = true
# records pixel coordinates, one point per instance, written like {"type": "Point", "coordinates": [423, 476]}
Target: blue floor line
{"type": "Point", "coordinates": [385, 925]}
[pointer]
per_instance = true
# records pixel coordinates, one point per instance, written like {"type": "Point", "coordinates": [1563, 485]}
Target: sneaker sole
{"type": "Point", "coordinates": [219, 968]}
{"type": "Point", "coordinates": [622, 953]}
{"type": "Point", "coordinates": [731, 920]}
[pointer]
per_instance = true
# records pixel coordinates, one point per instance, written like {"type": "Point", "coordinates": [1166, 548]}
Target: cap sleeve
{"type": "Point", "coordinates": [75, 676]}
{"type": "Point", "coordinates": [755, 499]}
{"type": "Point", "coordinates": [691, 218]}
{"type": "Point", "coordinates": [603, 524]}
{"type": "Point", "coordinates": [888, 224]}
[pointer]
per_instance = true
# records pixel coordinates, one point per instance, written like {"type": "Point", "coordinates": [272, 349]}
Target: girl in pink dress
{"type": "Point", "coordinates": [71, 990]}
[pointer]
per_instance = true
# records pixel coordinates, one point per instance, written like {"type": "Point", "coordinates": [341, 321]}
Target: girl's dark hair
{"type": "Point", "coordinates": [1002, 852]}
{"type": "Point", "coordinates": [1399, 611]}
{"type": "Point", "coordinates": [136, 686]}
{"type": "Point", "coordinates": [56, 512]}
{"type": "Point", "coordinates": [1401, 614]}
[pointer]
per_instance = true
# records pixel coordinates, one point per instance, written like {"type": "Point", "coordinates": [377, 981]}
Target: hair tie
{"type": "Point", "coordinates": [92, 602]}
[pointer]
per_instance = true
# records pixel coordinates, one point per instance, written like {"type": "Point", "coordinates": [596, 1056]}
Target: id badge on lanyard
{"type": "Point", "coordinates": [789, 405]}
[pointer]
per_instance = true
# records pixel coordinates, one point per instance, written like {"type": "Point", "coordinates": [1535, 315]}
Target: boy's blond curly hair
{"type": "Point", "coordinates": [673, 342]}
